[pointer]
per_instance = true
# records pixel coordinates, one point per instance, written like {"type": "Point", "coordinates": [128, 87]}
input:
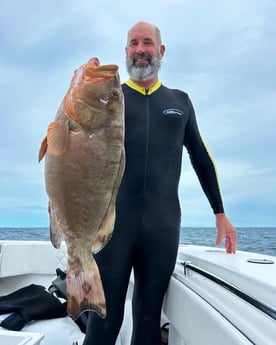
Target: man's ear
{"type": "Point", "coordinates": [162, 50]}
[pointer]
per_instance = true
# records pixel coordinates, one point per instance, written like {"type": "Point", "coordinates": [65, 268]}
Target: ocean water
{"type": "Point", "coordinates": [257, 240]}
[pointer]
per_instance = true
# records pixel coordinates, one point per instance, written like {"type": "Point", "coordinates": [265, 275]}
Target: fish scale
{"type": "Point", "coordinates": [84, 164]}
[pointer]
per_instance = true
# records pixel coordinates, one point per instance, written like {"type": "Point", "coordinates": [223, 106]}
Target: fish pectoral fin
{"type": "Point", "coordinates": [43, 149]}
{"type": "Point", "coordinates": [57, 137]}
{"type": "Point", "coordinates": [85, 290]}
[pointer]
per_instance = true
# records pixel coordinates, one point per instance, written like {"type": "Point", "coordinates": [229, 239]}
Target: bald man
{"type": "Point", "coordinates": [159, 122]}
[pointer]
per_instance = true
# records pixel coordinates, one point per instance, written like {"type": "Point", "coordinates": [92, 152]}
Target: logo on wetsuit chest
{"type": "Point", "coordinates": [169, 112]}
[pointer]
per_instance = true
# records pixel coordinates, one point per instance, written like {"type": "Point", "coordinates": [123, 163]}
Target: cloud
{"type": "Point", "coordinates": [222, 53]}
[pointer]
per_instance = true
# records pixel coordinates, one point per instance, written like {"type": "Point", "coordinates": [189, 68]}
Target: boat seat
{"type": "Point", "coordinates": [22, 257]}
{"type": "Point", "coordinates": [69, 332]}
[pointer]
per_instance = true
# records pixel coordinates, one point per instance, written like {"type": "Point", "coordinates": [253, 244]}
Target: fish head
{"type": "Point", "coordinates": [95, 97]}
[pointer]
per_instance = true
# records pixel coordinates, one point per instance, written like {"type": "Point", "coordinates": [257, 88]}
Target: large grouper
{"type": "Point", "coordinates": [84, 163]}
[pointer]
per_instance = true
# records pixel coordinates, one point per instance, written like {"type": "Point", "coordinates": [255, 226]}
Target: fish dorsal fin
{"type": "Point", "coordinates": [57, 137]}
{"type": "Point", "coordinates": [43, 149]}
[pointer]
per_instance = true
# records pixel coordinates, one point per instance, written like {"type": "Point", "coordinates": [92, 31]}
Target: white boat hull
{"type": "Point", "coordinates": [205, 311]}
{"type": "Point", "coordinates": [205, 303]}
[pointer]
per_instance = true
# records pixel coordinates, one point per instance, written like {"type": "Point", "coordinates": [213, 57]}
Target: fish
{"type": "Point", "coordinates": [84, 163]}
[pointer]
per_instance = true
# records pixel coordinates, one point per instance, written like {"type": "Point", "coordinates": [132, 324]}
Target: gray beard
{"type": "Point", "coordinates": [144, 73]}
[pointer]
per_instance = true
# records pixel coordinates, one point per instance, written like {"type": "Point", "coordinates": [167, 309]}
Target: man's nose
{"type": "Point", "coordinates": [140, 48]}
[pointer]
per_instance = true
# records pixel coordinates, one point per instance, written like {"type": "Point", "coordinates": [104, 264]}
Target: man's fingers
{"type": "Point", "coordinates": [230, 243]}
{"type": "Point", "coordinates": [219, 238]}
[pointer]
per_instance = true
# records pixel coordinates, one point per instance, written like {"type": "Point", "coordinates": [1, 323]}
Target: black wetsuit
{"type": "Point", "coordinates": [146, 233]}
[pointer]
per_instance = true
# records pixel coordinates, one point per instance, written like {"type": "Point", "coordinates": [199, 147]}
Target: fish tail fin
{"type": "Point", "coordinates": [85, 290]}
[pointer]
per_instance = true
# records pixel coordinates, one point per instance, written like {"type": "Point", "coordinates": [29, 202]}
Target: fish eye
{"type": "Point", "coordinates": [104, 99]}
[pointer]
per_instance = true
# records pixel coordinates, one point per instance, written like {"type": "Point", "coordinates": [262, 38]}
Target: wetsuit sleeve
{"type": "Point", "coordinates": [202, 162]}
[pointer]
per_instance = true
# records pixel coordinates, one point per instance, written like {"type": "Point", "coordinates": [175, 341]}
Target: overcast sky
{"type": "Point", "coordinates": [222, 53]}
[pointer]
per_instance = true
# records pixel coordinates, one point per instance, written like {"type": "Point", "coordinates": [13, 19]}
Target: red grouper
{"type": "Point", "coordinates": [84, 162]}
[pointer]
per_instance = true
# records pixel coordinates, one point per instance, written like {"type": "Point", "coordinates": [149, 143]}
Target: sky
{"type": "Point", "coordinates": [222, 53]}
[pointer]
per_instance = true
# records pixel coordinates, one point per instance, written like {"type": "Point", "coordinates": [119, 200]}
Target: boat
{"type": "Point", "coordinates": [213, 298]}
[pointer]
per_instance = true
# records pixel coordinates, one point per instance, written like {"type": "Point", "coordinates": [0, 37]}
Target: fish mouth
{"type": "Point", "coordinates": [96, 72]}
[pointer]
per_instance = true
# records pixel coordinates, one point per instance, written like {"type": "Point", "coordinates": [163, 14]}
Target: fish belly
{"type": "Point", "coordinates": [81, 184]}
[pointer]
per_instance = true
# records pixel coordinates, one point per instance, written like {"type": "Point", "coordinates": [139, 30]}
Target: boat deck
{"type": "Point", "coordinates": [213, 298]}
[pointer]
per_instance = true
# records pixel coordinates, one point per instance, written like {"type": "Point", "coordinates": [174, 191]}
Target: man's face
{"type": "Point", "coordinates": [143, 53]}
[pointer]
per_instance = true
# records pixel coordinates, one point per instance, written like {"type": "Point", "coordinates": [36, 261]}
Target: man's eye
{"type": "Point", "coordinates": [133, 44]}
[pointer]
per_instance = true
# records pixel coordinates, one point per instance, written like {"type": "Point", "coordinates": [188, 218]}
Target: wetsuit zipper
{"type": "Point", "coordinates": [147, 142]}
{"type": "Point", "coordinates": [146, 157]}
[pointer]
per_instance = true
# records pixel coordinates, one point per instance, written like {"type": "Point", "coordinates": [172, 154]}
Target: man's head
{"type": "Point", "coordinates": [144, 51]}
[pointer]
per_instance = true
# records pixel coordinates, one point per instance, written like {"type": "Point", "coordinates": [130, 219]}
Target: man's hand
{"type": "Point", "coordinates": [225, 228]}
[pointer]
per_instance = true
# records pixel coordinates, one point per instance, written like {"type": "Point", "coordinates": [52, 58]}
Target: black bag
{"type": "Point", "coordinates": [29, 303]}
{"type": "Point", "coordinates": [58, 288]}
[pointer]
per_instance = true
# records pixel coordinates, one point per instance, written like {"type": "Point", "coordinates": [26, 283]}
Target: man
{"type": "Point", "coordinates": [158, 122]}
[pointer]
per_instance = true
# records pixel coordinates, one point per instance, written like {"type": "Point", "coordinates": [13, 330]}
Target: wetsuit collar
{"type": "Point", "coordinates": [143, 90]}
